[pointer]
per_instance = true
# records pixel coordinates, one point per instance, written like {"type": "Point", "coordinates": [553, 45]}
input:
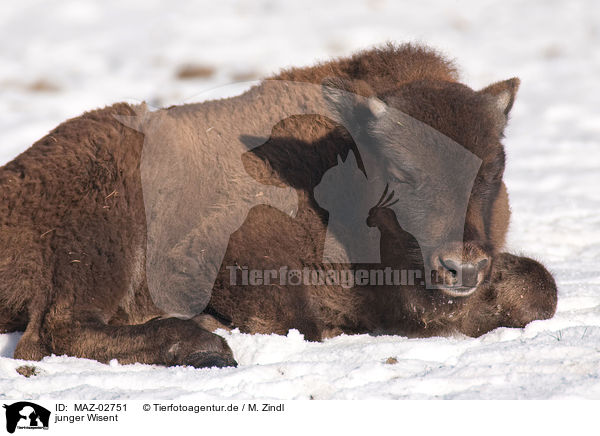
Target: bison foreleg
{"type": "Point", "coordinates": [169, 341]}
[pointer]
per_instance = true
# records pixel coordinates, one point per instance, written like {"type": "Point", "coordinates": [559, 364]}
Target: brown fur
{"type": "Point", "coordinates": [384, 69]}
{"type": "Point", "coordinates": [73, 231]}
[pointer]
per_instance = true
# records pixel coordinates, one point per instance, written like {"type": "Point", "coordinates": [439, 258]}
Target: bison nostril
{"type": "Point", "coordinates": [466, 273]}
{"type": "Point", "coordinates": [469, 275]}
{"type": "Point", "coordinates": [450, 265]}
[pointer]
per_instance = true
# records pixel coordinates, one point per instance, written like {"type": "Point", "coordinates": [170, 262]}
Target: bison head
{"type": "Point", "coordinates": [437, 145]}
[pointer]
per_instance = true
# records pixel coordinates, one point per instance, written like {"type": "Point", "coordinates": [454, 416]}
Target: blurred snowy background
{"type": "Point", "coordinates": [60, 58]}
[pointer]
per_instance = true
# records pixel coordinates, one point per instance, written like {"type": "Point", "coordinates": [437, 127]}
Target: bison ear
{"type": "Point", "coordinates": [352, 102]}
{"type": "Point", "coordinates": [504, 94]}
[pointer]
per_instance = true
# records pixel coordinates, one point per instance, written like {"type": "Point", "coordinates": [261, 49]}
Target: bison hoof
{"type": "Point", "coordinates": [209, 359]}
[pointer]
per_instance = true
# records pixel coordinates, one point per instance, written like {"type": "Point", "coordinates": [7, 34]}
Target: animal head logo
{"type": "Point", "coordinates": [26, 415]}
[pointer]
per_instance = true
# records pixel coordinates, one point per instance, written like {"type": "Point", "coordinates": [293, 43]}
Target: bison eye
{"type": "Point", "coordinates": [404, 178]}
{"type": "Point", "coordinates": [398, 180]}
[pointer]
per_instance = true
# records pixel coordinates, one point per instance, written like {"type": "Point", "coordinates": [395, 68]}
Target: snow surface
{"type": "Point", "coordinates": [59, 58]}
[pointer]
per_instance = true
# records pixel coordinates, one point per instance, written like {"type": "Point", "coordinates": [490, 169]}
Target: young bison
{"type": "Point", "coordinates": [77, 236]}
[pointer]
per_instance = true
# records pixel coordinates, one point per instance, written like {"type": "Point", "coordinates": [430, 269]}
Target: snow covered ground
{"type": "Point", "coordinates": [59, 58]}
